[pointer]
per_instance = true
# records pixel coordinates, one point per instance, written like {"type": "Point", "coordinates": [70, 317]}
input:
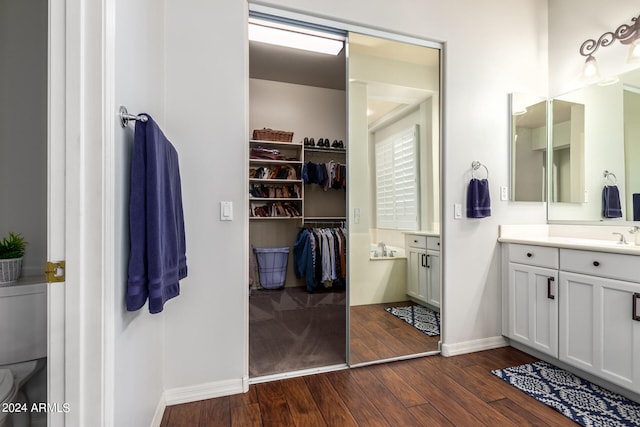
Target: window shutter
{"type": "Point", "coordinates": [397, 196]}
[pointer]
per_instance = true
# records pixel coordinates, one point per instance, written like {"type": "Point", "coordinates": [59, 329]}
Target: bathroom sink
{"type": "Point", "coordinates": [590, 242]}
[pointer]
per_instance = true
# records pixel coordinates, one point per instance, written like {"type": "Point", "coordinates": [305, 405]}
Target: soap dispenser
{"type": "Point", "coordinates": [635, 230]}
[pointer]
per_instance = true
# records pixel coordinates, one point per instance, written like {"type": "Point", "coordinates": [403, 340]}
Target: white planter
{"type": "Point", "coordinates": [10, 270]}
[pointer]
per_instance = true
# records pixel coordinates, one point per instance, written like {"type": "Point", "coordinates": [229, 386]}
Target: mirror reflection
{"type": "Point", "coordinates": [393, 199]}
{"type": "Point", "coordinates": [528, 148]}
{"type": "Point", "coordinates": [603, 152]}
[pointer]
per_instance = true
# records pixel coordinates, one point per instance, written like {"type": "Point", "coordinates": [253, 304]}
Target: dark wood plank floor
{"type": "Point", "coordinates": [429, 391]}
{"type": "Point", "coordinates": [378, 335]}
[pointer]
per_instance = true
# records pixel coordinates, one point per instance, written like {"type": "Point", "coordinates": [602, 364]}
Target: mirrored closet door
{"type": "Point", "coordinates": [344, 201]}
{"type": "Point", "coordinates": [394, 199]}
{"type": "Point", "coordinates": [297, 200]}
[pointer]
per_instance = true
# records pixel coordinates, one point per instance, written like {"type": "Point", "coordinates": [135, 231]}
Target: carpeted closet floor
{"type": "Point", "coordinates": [291, 329]}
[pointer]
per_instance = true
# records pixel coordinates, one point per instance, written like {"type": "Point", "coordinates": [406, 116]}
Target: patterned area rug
{"type": "Point", "coordinates": [583, 402]}
{"type": "Point", "coordinates": [422, 318]}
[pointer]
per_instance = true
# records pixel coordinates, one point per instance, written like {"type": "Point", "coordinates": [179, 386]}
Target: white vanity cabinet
{"type": "Point", "coordinates": [423, 275]}
{"type": "Point", "coordinates": [600, 315]}
{"type": "Point", "coordinates": [530, 295]}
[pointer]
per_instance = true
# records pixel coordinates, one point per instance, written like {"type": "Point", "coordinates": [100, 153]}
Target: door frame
{"type": "Point", "coordinates": [80, 310]}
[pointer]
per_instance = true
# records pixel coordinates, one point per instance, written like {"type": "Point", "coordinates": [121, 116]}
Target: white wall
{"type": "Point", "coordinates": [571, 22]}
{"type": "Point", "coordinates": [138, 85]}
{"type": "Point", "coordinates": [23, 127]}
{"type": "Point", "coordinates": [206, 113]}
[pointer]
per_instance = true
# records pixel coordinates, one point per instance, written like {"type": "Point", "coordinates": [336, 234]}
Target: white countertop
{"type": "Point", "coordinates": [429, 233]}
{"type": "Point", "coordinates": [592, 238]}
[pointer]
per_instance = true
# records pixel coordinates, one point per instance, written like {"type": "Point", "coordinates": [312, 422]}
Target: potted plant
{"type": "Point", "coordinates": [11, 253]}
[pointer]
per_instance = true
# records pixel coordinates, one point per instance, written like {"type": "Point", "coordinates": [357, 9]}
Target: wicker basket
{"type": "Point", "coordinates": [272, 135]}
{"type": "Point", "coordinates": [10, 270]}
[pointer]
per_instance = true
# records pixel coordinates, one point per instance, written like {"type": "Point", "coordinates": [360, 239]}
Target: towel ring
{"type": "Point", "coordinates": [475, 165]}
{"type": "Point", "coordinates": [607, 178]}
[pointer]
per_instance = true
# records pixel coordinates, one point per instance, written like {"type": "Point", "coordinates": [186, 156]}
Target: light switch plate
{"type": "Point", "coordinates": [457, 211]}
{"type": "Point", "coordinates": [226, 211]}
{"type": "Point", "coordinates": [504, 193]}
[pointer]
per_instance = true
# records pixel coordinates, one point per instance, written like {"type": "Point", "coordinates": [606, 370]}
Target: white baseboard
{"type": "Point", "coordinates": [473, 346]}
{"type": "Point", "coordinates": [210, 390]}
{"type": "Point", "coordinates": [157, 416]}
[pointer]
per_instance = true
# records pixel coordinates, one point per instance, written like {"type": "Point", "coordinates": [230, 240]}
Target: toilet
{"type": "Point", "coordinates": [23, 346]}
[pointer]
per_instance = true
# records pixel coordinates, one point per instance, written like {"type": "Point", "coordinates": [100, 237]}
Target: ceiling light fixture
{"type": "Point", "coordinates": [627, 34]}
{"type": "Point", "coordinates": [294, 39]}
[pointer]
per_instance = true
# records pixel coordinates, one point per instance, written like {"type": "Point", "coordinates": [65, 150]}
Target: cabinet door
{"type": "Point", "coordinates": [533, 307]}
{"type": "Point", "coordinates": [417, 274]}
{"type": "Point", "coordinates": [433, 279]}
{"type": "Point", "coordinates": [598, 332]}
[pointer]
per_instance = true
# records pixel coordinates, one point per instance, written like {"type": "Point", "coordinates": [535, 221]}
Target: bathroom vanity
{"type": "Point", "coordinates": [574, 299]}
{"type": "Point", "coordinates": [423, 267]}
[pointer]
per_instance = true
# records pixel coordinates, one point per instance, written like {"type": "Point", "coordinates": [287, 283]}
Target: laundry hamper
{"type": "Point", "coordinates": [272, 266]}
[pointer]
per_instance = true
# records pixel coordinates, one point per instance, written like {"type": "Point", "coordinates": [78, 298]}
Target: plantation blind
{"type": "Point", "coordinates": [397, 195]}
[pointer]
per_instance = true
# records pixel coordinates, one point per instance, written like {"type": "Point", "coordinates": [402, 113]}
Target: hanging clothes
{"type": "Point", "coordinates": [319, 255]}
{"type": "Point", "coordinates": [329, 175]}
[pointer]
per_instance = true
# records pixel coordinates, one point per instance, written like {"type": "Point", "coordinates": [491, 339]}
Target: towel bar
{"type": "Point", "coordinates": [125, 116]}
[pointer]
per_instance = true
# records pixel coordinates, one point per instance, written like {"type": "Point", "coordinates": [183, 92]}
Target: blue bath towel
{"type": "Point", "coordinates": [478, 200]}
{"type": "Point", "coordinates": [157, 258]}
{"type": "Point", "coordinates": [636, 206]}
{"type": "Point", "coordinates": [611, 207]}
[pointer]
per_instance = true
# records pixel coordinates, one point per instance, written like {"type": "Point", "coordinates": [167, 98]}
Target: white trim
{"type": "Point", "coordinates": [56, 139]}
{"type": "Point", "coordinates": [193, 393]}
{"type": "Point", "coordinates": [159, 413]}
{"type": "Point", "coordinates": [108, 214]}
{"type": "Point", "coordinates": [300, 373]}
{"type": "Point", "coordinates": [473, 346]}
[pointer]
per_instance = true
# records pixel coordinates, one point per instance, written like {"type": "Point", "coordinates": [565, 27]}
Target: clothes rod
{"type": "Point", "coordinates": [125, 117]}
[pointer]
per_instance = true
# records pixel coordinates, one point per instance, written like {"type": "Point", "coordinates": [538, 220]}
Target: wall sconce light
{"type": "Point", "coordinates": [627, 34]}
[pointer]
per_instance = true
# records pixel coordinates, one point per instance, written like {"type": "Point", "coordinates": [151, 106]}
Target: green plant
{"type": "Point", "coordinates": [12, 246]}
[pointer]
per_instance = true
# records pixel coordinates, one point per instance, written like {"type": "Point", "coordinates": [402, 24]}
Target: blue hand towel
{"type": "Point", "coordinates": [157, 258]}
{"type": "Point", "coordinates": [611, 207]}
{"type": "Point", "coordinates": [478, 200]}
{"type": "Point", "coordinates": [636, 206]}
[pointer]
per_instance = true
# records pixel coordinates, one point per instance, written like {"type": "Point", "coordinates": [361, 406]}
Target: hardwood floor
{"type": "Point", "coordinates": [429, 391]}
{"type": "Point", "coordinates": [378, 335]}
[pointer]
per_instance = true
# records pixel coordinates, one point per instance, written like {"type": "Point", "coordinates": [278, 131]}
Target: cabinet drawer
{"type": "Point", "coordinates": [603, 264]}
{"type": "Point", "coordinates": [540, 256]}
{"type": "Point", "coordinates": [416, 241]}
{"type": "Point", "coordinates": [433, 243]}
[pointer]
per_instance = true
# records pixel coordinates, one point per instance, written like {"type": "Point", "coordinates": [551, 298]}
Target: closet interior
{"type": "Point", "coordinates": [297, 200]}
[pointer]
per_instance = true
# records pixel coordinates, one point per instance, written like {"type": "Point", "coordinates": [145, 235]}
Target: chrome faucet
{"type": "Point", "coordinates": [622, 240]}
{"type": "Point", "coordinates": [382, 248]}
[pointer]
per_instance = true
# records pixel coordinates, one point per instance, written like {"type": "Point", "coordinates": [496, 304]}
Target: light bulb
{"type": "Point", "coordinates": [590, 71]}
{"type": "Point", "coordinates": [634, 51]}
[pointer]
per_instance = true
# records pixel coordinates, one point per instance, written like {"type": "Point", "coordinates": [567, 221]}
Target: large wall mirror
{"type": "Point", "coordinates": [528, 147]}
{"type": "Point", "coordinates": [596, 178]}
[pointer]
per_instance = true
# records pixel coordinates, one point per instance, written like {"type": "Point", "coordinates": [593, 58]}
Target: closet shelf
{"type": "Point", "coordinates": [275, 181]}
{"type": "Point", "coordinates": [326, 150]}
{"type": "Point", "coordinates": [275, 199]}
{"type": "Point", "coordinates": [274, 162]}
{"type": "Point", "coordinates": [275, 144]}
{"type": "Point", "coordinates": [275, 217]}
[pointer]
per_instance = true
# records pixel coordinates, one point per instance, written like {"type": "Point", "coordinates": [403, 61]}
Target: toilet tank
{"type": "Point", "coordinates": [23, 322]}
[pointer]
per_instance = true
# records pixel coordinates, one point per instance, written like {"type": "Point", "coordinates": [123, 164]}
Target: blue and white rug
{"type": "Point", "coordinates": [582, 401]}
{"type": "Point", "coordinates": [422, 318]}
